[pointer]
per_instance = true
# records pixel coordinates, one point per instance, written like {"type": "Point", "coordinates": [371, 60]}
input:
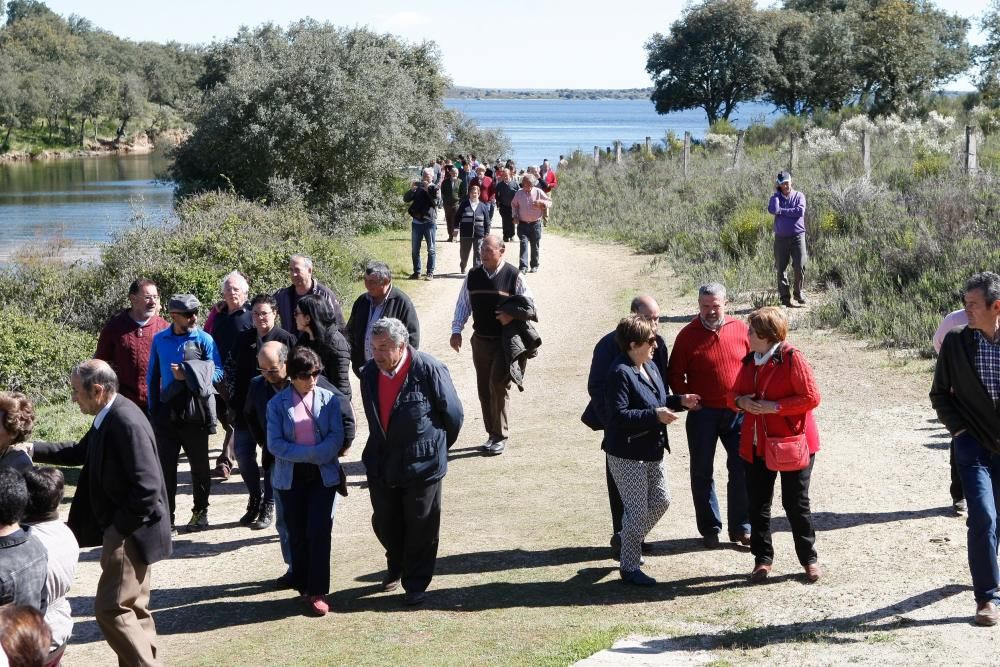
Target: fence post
{"type": "Point", "coordinates": [597, 155]}
{"type": "Point", "coordinates": [866, 153]}
{"type": "Point", "coordinates": [649, 147]}
{"type": "Point", "coordinates": [793, 152]}
{"type": "Point", "coordinates": [618, 152]}
{"type": "Point", "coordinates": [687, 152]}
{"type": "Point", "coordinates": [738, 153]}
{"type": "Point", "coordinates": [970, 150]}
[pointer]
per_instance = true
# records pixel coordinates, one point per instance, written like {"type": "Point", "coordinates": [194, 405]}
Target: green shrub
{"type": "Point", "coordinates": [36, 354]}
{"type": "Point", "coordinates": [931, 165]}
{"type": "Point", "coordinates": [744, 230]}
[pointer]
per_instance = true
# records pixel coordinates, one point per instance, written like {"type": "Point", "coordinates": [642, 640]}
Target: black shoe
{"type": "Point", "coordinates": [390, 581]}
{"type": "Point", "coordinates": [414, 598]}
{"type": "Point", "coordinates": [284, 581]}
{"type": "Point", "coordinates": [711, 540]}
{"type": "Point", "coordinates": [253, 509]}
{"type": "Point", "coordinates": [616, 547]}
{"type": "Point", "coordinates": [199, 521]}
{"type": "Point", "coordinates": [787, 303]}
{"type": "Point", "coordinates": [740, 538]}
{"type": "Point", "coordinates": [414, 276]}
{"type": "Point", "coordinates": [265, 517]}
{"type": "Point", "coordinates": [801, 299]}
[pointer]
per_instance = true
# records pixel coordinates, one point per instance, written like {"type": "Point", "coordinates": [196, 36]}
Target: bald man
{"type": "Point", "coordinates": [605, 353]}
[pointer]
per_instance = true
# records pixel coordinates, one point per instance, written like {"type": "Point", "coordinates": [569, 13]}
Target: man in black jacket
{"type": "Point", "coordinates": [414, 416]}
{"type": "Point", "coordinates": [966, 396]}
{"type": "Point", "coordinates": [422, 198]}
{"type": "Point", "coordinates": [381, 299]}
{"type": "Point", "coordinates": [121, 504]}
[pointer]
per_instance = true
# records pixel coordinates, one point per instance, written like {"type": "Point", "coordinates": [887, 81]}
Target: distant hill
{"type": "Point", "coordinates": [462, 92]}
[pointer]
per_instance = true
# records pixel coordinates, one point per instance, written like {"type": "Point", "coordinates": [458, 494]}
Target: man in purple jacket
{"type": "Point", "coordinates": [788, 207]}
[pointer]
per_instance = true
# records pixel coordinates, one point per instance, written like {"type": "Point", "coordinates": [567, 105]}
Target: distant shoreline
{"type": "Point", "coordinates": [465, 93]}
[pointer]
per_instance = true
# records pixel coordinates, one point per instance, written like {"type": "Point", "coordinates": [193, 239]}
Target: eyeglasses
{"type": "Point", "coordinates": [269, 371]}
{"type": "Point", "coordinates": [187, 316]}
{"type": "Point", "coordinates": [263, 314]}
{"type": "Point", "coordinates": [307, 375]}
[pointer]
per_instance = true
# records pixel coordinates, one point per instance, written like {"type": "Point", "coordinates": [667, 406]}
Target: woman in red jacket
{"type": "Point", "coordinates": [783, 408]}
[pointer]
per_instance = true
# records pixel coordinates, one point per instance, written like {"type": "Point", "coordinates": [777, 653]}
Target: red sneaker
{"type": "Point", "coordinates": [317, 604]}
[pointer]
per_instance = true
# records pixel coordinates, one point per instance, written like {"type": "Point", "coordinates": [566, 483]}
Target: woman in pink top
{"type": "Point", "coordinates": [305, 432]}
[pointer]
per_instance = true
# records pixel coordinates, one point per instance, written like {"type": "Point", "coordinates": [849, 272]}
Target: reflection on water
{"type": "Point", "coordinates": [84, 200]}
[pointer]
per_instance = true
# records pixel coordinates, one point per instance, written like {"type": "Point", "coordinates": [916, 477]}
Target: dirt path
{"type": "Point", "coordinates": [524, 574]}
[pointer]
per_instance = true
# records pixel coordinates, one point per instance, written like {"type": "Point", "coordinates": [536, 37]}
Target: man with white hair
{"type": "Point", "coordinates": [422, 197]}
{"type": "Point", "coordinates": [414, 416]}
{"type": "Point", "coordinates": [529, 206]}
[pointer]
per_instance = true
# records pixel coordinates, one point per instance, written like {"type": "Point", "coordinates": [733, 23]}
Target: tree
{"type": "Point", "coordinates": [717, 55]}
{"type": "Point", "coordinates": [790, 81]}
{"type": "Point", "coordinates": [335, 112]}
{"type": "Point", "coordinates": [131, 101]}
{"type": "Point", "coordinates": [987, 55]}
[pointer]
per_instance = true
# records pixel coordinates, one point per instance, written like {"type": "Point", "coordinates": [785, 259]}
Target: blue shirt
{"type": "Point", "coordinates": [168, 348]}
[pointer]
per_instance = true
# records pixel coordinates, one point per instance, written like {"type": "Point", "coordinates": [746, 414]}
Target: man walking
{"type": "Point", "coordinates": [529, 206]}
{"type": "Point", "coordinates": [121, 504]}
{"type": "Point", "coordinates": [300, 268]}
{"type": "Point", "coordinates": [126, 339]}
{"type": "Point", "coordinates": [707, 356]}
{"type": "Point", "coordinates": [422, 197]}
{"type": "Point", "coordinates": [788, 207]}
{"type": "Point", "coordinates": [450, 197]}
{"type": "Point", "coordinates": [381, 299]}
{"type": "Point", "coordinates": [414, 416]}
{"type": "Point", "coordinates": [505, 190]}
{"type": "Point", "coordinates": [605, 353]}
{"type": "Point", "coordinates": [183, 366]}
{"type": "Point", "coordinates": [479, 297]}
{"type": "Point", "coordinates": [965, 394]}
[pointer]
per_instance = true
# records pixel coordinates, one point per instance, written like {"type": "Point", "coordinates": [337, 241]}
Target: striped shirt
{"type": "Point", "coordinates": [463, 309]}
{"type": "Point", "coordinates": [988, 365]}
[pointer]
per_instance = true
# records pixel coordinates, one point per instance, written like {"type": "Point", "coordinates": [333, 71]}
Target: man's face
{"type": "Point", "coordinates": [426, 178]}
{"type": "Point", "coordinates": [785, 188]}
{"type": "Point", "coordinates": [376, 287]}
{"type": "Point", "coordinates": [474, 193]}
{"type": "Point", "coordinates": [183, 322]}
{"type": "Point", "coordinates": [274, 371]}
{"type": "Point", "coordinates": [263, 318]}
{"type": "Point", "coordinates": [145, 302]}
{"type": "Point", "coordinates": [505, 175]}
{"type": "Point", "coordinates": [981, 316]}
{"type": "Point", "coordinates": [301, 274]}
{"type": "Point", "coordinates": [491, 254]}
{"type": "Point", "coordinates": [526, 184]}
{"type": "Point", "coordinates": [712, 308]}
{"type": "Point", "coordinates": [386, 353]}
{"type": "Point", "coordinates": [89, 402]}
{"type": "Point", "coordinates": [651, 313]}
{"type": "Point", "coordinates": [234, 292]}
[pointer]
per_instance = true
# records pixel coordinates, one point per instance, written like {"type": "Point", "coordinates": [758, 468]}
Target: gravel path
{"type": "Point", "coordinates": [895, 587]}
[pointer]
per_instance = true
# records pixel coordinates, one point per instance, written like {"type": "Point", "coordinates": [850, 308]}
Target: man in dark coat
{"type": "Point", "coordinates": [381, 299]}
{"type": "Point", "coordinates": [414, 416]}
{"type": "Point", "coordinates": [121, 504]}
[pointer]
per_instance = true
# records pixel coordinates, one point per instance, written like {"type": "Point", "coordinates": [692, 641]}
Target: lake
{"type": "Point", "coordinates": [85, 200]}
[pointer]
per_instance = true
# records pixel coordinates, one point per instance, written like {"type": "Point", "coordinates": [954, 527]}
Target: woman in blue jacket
{"type": "Point", "coordinates": [639, 407]}
{"type": "Point", "coordinates": [473, 220]}
{"type": "Point", "coordinates": [305, 433]}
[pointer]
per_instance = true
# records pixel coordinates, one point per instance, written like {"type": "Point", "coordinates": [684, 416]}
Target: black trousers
{"type": "Point", "coordinates": [307, 507]}
{"type": "Point", "coordinates": [795, 500]}
{"type": "Point", "coordinates": [407, 521]}
{"type": "Point", "coordinates": [193, 440]}
{"type": "Point", "coordinates": [507, 220]}
{"type": "Point", "coordinates": [615, 497]}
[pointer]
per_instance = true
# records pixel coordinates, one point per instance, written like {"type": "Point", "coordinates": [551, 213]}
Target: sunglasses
{"type": "Point", "coordinates": [307, 375]}
{"type": "Point", "coordinates": [189, 316]}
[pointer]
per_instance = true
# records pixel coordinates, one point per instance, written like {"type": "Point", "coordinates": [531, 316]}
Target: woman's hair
{"type": "Point", "coordinates": [320, 314]}
{"type": "Point", "coordinates": [633, 328]}
{"type": "Point", "coordinates": [769, 324]}
{"type": "Point", "coordinates": [302, 360]}
{"type": "Point", "coordinates": [18, 415]}
{"type": "Point", "coordinates": [24, 636]}
{"type": "Point", "coordinates": [478, 189]}
{"type": "Point", "coordinates": [45, 491]}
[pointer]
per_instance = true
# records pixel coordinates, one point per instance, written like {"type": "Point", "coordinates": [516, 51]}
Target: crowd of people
{"type": "Point", "coordinates": [273, 372]}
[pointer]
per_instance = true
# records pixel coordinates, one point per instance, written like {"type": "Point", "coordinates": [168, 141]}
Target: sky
{"type": "Point", "coordinates": [546, 44]}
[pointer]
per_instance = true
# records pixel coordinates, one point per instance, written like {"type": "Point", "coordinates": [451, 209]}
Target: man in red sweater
{"type": "Point", "coordinates": [126, 339]}
{"type": "Point", "coordinates": [705, 360]}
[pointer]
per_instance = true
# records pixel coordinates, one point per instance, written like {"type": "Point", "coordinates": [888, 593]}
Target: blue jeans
{"type": "Point", "coordinates": [980, 472]}
{"type": "Point", "coordinates": [530, 236]}
{"type": "Point", "coordinates": [422, 231]}
{"type": "Point", "coordinates": [704, 427]}
{"type": "Point", "coordinates": [246, 458]}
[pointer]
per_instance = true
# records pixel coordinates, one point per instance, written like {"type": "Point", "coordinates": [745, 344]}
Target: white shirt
{"type": "Point", "coordinates": [99, 419]}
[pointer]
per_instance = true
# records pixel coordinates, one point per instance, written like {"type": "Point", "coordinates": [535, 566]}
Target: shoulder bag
{"type": "Point", "coordinates": [788, 453]}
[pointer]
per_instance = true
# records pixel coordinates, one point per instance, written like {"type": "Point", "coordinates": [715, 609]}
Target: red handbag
{"type": "Point", "coordinates": [788, 453]}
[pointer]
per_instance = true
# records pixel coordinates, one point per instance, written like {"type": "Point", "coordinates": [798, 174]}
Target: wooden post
{"type": "Point", "coordinates": [970, 150]}
{"type": "Point", "coordinates": [687, 152]}
{"type": "Point", "coordinates": [649, 147]}
{"type": "Point", "coordinates": [597, 155]}
{"type": "Point", "coordinates": [618, 152]}
{"type": "Point", "coordinates": [866, 153]}
{"type": "Point", "coordinates": [738, 153]}
{"type": "Point", "coordinates": [793, 152]}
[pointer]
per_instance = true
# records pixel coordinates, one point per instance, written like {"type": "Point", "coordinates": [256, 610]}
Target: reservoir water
{"type": "Point", "coordinates": [86, 200]}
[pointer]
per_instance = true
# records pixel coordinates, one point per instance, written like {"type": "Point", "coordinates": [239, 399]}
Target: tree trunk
{"type": "Point", "coordinates": [6, 139]}
{"type": "Point", "coordinates": [83, 122]}
{"type": "Point", "coordinates": [121, 131]}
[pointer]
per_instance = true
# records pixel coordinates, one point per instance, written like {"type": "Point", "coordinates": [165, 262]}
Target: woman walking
{"type": "Point", "coordinates": [473, 221]}
{"type": "Point", "coordinates": [639, 408]}
{"type": "Point", "coordinates": [305, 433]}
{"type": "Point", "coordinates": [315, 321]}
{"type": "Point", "coordinates": [776, 389]}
